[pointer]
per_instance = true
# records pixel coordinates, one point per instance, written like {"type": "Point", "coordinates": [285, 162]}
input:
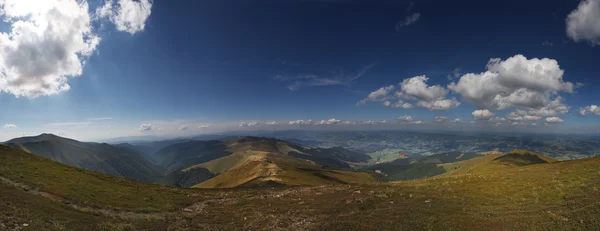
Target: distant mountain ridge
{"type": "Point", "coordinates": [100, 157]}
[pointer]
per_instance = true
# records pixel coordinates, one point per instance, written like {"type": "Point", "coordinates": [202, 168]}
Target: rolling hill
{"type": "Point", "coordinates": [246, 161]}
{"type": "Point", "coordinates": [41, 194]}
{"type": "Point", "coordinates": [100, 157]}
{"type": "Point", "coordinates": [421, 167]}
{"type": "Point", "coordinates": [250, 161]}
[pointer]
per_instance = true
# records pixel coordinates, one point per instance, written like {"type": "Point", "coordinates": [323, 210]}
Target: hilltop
{"type": "Point", "coordinates": [249, 161]}
{"type": "Point", "coordinates": [101, 157]}
{"type": "Point", "coordinates": [419, 167]}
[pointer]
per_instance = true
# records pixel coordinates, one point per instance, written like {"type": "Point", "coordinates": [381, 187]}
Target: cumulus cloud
{"type": "Point", "coordinates": [441, 119]}
{"type": "Point", "coordinates": [457, 120]}
{"type": "Point", "coordinates": [582, 23]}
{"type": "Point", "coordinates": [514, 116]}
{"type": "Point", "coordinates": [375, 122]}
{"type": "Point", "coordinates": [48, 42]}
{"type": "Point", "coordinates": [300, 122]}
{"type": "Point", "coordinates": [202, 126]}
{"type": "Point", "coordinates": [417, 122]}
{"type": "Point", "coordinates": [378, 95]}
{"type": "Point", "coordinates": [183, 127]}
{"type": "Point", "coordinates": [443, 104]}
{"type": "Point", "coordinates": [430, 97]}
{"type": "Point", "coordinates": [414, 89]}
{"type": "Point", "coordinates": [483, 114]}
{"type": "Point", "coordinates": [405, 118]}
{"type": "Point", "coordinates": [532, 118]}
{"type": "Point", "coordinates": [330, 121]}
{"type": "Point", "coordinates": [554, 120]}
{"type": "Point", "coordinates": [146, 128]}
{"type": "Point", "coordinates": [532, 84]}
{"type": "Point", "coordinates": [127, 15]}
{"type": "Point", "coordinates": [592, 109]}
{"type": "Point", "coordinates": [10, 126]}
{"type": "Point", "coordinates": [272, 123]}
{"type": "Point", "coordinates": [398, 104]}
{"type": "Point", "coordinates": [248, 124]}
{"type": "Point", "coordinates": [407, 21]}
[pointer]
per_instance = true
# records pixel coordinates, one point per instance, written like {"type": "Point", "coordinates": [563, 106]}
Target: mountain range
{"type": "Point", "coordinates": [516, 190]}
{"type": "Point", "coordinates": [233, 162]}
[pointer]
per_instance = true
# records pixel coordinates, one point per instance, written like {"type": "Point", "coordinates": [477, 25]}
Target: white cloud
{"type": "Point", "coordinates": [248, 124]}
{"type": "Point", "coordinates": [513, 116]}
{"type": "Point", "coordinates": [323, 79]}
{"type": "Point", "coordinates": [516, 82]}
{"type": "Point", "coordinates": [592, 109]}
{"type": "Point", "coordinates": [500, 119]}
{"type": "Point", "coordinates": [417, 122]}
{"type": "Point", "coordinates": [183, 127]}
{"type": "Point", "coordinates": [532, 118]}
{"type": "Point", "coordinates": [378, 95]}
{"type": "Point", "coordinates": [348, 122]}
{"type": "Point", "coordinates": [582, 23]}
{"type": "Point", "coordinates": [440, 119]}
{"type": "Point", "coordinates": [100, 118]}
{"type": "Point", "coordinates": [272, 123]}
{"type": "Point", "coordinates": [405, 118]}
{"type": "Point", "coordinates": [430, 97]}
{"type": "Point", "coordinates": [409, 20]}
{"type": "Point", "coordinates": [375, 122]}
{"type": "Point", "coordinates": [398, 104]}
{"type": "Point", "coordinates": [482, 114]}
{"type": "Point", "coordinates": [146, 128]}
{"type": "Point", "coordinates": [10, 126]}
{"type": "Point", "coordinates": [202, 126]}
{"type": "Point", "coordinates": [300, 122]}
{"type": "Point", "coordinates": [457, 120]}
{"type": "Point", "coordinates": [330, 121]}
{"type": "Point", "coordinates": [553, 108]}
{"type": "Point", "coordinates": [48, 42]}
{"type": "Point", "coordinates": [127, 15]}
{"type": "Point", "coordinates": [443, 104]}
{"type": "Point", "coordinates": [415, 89]}
{"type": "Point", "coordinates": [554, 120]}
{"type": "Point", "coordinates": [547, 44]}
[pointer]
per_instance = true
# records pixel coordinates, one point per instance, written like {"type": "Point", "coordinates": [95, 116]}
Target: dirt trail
{"type": "Point", "coordinates": [194, 208]}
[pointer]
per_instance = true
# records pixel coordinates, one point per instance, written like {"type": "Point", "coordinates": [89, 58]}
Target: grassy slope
{"type": "Point", "coordinates": [103, 158]}
{"type": "Point", "coordinates": [87, 187]}
{"type": "Point", "coordinates": [427, 166]}
{"type": "Point", "coordinates": [553, 196]}
{"type": "Point", "coordinates": [284, 170]}
{"type": "Point", "coordinates": [258, 161]}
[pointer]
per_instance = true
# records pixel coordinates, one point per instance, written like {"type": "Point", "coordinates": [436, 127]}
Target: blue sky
{"type": "Point", "coordinates": [176, 68]}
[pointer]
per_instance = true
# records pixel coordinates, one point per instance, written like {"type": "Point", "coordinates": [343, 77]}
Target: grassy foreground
{"type": "Point", "coordinates": [540, 196]}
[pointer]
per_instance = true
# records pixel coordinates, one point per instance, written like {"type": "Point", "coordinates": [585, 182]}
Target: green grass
{"type": "Point", "coordinates": [90, 188]}
{"type": "Point", "coordinates": [385, 155]}
{"type": "Point", "coordinates": [547, 196]}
